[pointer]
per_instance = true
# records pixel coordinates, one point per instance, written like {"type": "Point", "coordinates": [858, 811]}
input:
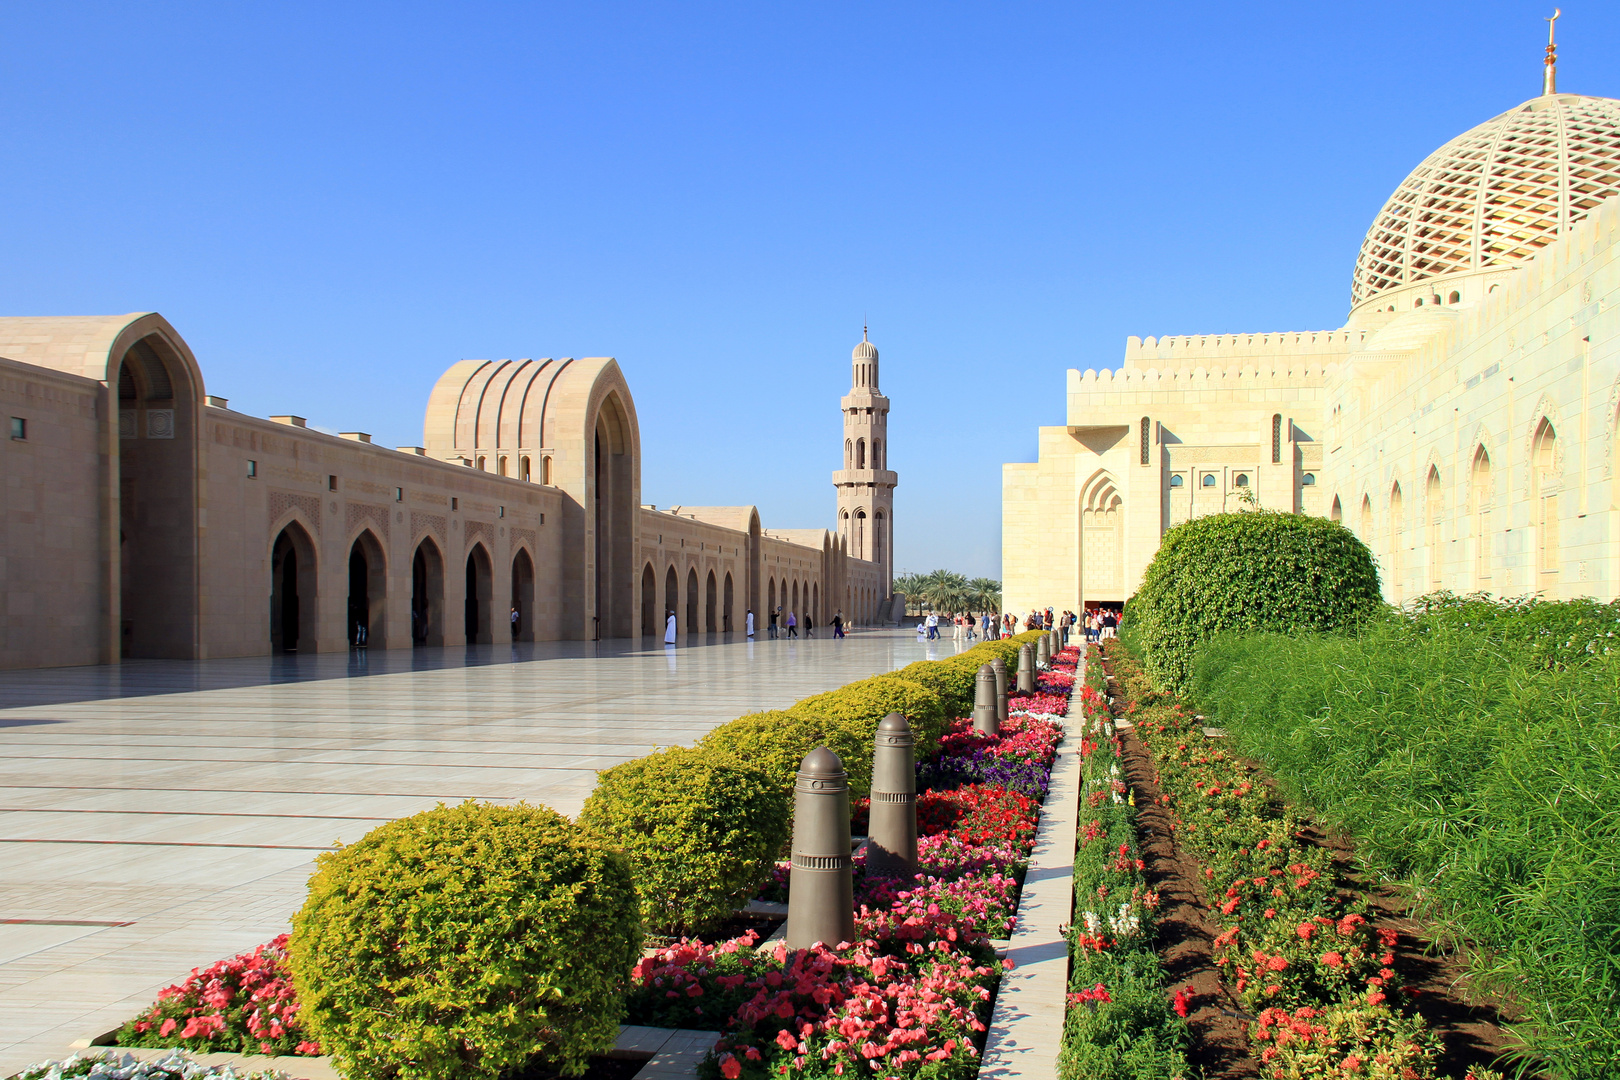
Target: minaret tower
{"type": "Point", "coordinates": [865, 483]}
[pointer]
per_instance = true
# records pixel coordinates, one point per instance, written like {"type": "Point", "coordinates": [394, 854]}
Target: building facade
{"type": "Point", "coordinates": [1462, 422]}
{"type": "Point", "coordinates": [146, 518]}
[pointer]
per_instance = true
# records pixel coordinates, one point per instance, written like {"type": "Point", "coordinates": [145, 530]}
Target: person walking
{"type": "Point", "coordinates": [669, 629]}
{"type": "Point", "coordinates": [838, 624]}
{"type": "Point", "coordinates": [774, 615]}
{"type": "Point", "coordinates": [809, 625]}
{"type": "Point", "coordinates": [750, 622]}
{"type": "Point", "coordinates": [517, 623]}
{"type": "Point", "coordinates": [967, 624]}
{"type": "Point", "coordinates": [792, 625]}
{"type": "Point", "coordinates": [933, 626]}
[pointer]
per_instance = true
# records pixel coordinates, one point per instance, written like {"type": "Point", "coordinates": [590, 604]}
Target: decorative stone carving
{"type": "Point", "coordinates": [426, 524]}
{"type": "Point", "coordinates": [160, 423]}
{"type": "Point", "coordinates": [376, 516]}
{"type": "Point", "coordinates": [283, 501]}
{"type": "Point", "coordinates": [480, 530]}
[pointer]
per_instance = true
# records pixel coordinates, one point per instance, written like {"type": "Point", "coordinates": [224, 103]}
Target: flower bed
{"type": "Point", "coordinates": [1121, 1021]}
{"type": "Point", "coordinates": [175, 1066]}
{"type": "Point", "coordinates": [1295, 946]}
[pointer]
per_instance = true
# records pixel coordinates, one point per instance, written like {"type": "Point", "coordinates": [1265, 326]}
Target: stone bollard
{"type": "Point", "coordinates": [985, 720]}
{"type": "Point", "coordinates": [999, 666]}
{"type": "Point", "coordinates": [1026, 669]}
{"type": "Point", "coordinates": [821, 892]}
{"type": "Point", "coordinates": [1057, 642]}
{"type": "Point", "coordinates": [891, 838]}
{"type": "Point", "coordinates": [1043, 650]}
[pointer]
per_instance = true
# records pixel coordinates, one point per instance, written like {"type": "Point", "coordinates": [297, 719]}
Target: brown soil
{"type": "Point", "coordinates": [1436, 984]}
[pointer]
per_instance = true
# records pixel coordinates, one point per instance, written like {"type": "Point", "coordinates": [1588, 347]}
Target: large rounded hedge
{"type": "Point", "coordinates": [458, 943]}
{"type": "Point", "coordinates": [702, 829]}
{"type": "Point", "coordinates": [861, 706]}
{"type": "Point", "coordinates": [1249, 571]}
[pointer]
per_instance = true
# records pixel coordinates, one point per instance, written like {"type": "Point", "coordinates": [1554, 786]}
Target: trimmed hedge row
{"type": "Point", "coordinates": [457, 943]}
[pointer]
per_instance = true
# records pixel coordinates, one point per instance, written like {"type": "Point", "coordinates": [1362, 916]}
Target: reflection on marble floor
{"type": "Point", "coordinates": [162, 815]}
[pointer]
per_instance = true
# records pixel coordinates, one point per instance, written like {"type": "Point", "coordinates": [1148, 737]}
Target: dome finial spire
{"type": "Point", "coordinates": [1549, 77]}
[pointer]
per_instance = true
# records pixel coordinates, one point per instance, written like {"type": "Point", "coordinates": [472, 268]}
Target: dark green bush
{"type": "Point", "coordinates": [1472, 748]}
{"type": "Point", "coordinates": [1251, 571]}
{"type": "Point", "coordinates": [458, 943]}
{"type": "Point", "coordinates": [701, 827]}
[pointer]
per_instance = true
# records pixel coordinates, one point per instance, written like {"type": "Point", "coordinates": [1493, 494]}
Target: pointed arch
{"type": "Point", "coordinates": [294, 576]}
{"type": "Point", "coordinates": [1434, 508]}
{"type": "Point", "coordinates": [1397, 542]}
{"type": "Point", "coordinates": [368, 591]}
{"type": "Point", "coordinates": [1546, 482]}
{"type": "Point", "coordinates": [1481, 497]}
{"type": "Point", "coordinates": [1102, 549]}
{"type": "Point", "coordinates": [478, 600]}
{"type": "Point", "coordinates": [711, 604]}
{"type": "Point", "coordinates": [693, 627]}
{"type": "Point", "coordinates": [427, 594]}
{"type": "Point", "coordinates": [523, 605]}
{"type": "Point", "coordinates": [649, 602]}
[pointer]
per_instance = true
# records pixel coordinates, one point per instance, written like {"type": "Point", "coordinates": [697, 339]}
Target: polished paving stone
{"type": "Point", "coordinates": [160, 815]}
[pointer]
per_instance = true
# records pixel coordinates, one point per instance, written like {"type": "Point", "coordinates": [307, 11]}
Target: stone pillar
{"type": "Point", "coordinates": [821, 893]}
{"type": "Point", "coordinates": [1043, 649]}
{"type": "Point", "coordinates": [999, 666]}
{"type": "Point", "coordinates": [985, 721]}
{"type": "Point", "coordinates": [1057, 641]}
{"type": "Point", "coordinates": [1026, 669]}
{"type": "Point", "coordinates": [891, 840]}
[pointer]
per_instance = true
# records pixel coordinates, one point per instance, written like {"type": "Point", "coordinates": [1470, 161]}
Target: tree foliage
{"type": "Point", "coordinates": [1250, 571]}
{"type": "Point", "coordinates": [948, 592]}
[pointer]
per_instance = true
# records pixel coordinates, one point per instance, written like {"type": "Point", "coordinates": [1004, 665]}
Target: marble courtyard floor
{"type": "Point", "coordinates": [162, 815]}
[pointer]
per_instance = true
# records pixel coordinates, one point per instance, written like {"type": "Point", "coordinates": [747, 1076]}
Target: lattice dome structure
{"type": "Point", "coordinates": [1495, 195]}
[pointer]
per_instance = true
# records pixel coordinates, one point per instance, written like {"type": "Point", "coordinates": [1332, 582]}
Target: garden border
{"type": "Point", "coordinates": [1026, 1026]}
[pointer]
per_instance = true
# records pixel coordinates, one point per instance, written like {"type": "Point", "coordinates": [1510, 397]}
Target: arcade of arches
{"type": "Point", "coordinates": [519, 519]}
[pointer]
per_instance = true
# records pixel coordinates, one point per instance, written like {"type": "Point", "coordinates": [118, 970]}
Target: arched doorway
{"type": "Point", "coordinates": [692, 625]}
{"type": "Point", "coordinates": [1102, 547]}
{"type": "Point", "coordinates": [730, 601]}
{"type": "Point", "coordinates": [476, 606]}
{"type": "Point", "coordinates": [1479, 494]}
{"type": "Point", "coordinates": [613, 506]}
{"type": "Point", "coordinates": [793, 604]}
{"type": "Point", "coordinates": [1397, 541]}
{"type": "Point", "coordinates": [157, 505]}
{"type": "Point", "coordinates": [711, 605]}
{"type": "Point", "coordinates": [771, 603]}
{"type": "Point", "coordinates": [523, 596]}
{"type": "Point", "coordinates": [292, 591]}
{"type": "Point", "coordinates": [649, 602]}
{"type": "Point", "coordinates": [368, 588]}
{"type": "Point", "coordinates": [672, 595]}
{"type": "Point", "coordinates": [427, 595]}
{"type": "Point", "coordinates": [1433, 509]}
{"type": "Point", "coordinates": [815, 602]}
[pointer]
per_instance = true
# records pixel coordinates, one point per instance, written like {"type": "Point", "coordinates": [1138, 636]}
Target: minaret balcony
{"type": "Point", "coordinates": [866, 477]}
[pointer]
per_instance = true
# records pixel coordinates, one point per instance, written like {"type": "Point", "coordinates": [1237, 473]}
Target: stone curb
{"type": "Point", "coordinates": [676, 1053]}
{"type": "Point", "coordinates": [1026, 1028]}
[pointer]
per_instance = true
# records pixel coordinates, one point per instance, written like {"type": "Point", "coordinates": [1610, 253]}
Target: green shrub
{"type": "Point", "coordinates": [458, 943]}
{"type": "Point", "coordinates": [951, 679]}
{"type": "Point", "coordinates": [775, 741]}
{"type": "Point", "coordinates": [702, 829]}
{"type": "Point", "coordinates": [860, 706]}
{"type": "Point", "coordinates": [1472, 749]}
{"type": "Point", "coordinates": [1251, 571]}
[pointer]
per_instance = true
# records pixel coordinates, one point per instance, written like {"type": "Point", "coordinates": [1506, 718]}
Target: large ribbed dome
{"type": "Point", "coordinates": [1493, 196]}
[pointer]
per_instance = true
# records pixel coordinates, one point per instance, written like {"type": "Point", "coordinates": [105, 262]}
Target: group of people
{"type": "Point", "coordinates": [782, 624]}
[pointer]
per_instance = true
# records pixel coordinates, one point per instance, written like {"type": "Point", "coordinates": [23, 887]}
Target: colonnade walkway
{"type": "Point", "coordinates": [161, 815]}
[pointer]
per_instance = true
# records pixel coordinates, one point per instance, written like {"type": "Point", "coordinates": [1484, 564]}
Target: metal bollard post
{"type": "Point", "coordinates": [1026, 669]}
{"type": "Point", "coordinates": [999, 666]}
{"type": "Point", "coordinates": [821, 892]}
{"type": "Point", "coordinates": [891, 845]}
{"type": "Point", "coordinates": [985, 721]}
{"type": "Point", "coordinates": [1043, 650]}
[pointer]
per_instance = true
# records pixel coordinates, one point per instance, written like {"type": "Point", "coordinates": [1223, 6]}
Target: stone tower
{"type": "Point", "coordinates": [865, 483]}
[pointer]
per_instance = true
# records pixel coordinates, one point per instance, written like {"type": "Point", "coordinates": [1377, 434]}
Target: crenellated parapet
{"type": "Point", "coordinates": [1211, 350]}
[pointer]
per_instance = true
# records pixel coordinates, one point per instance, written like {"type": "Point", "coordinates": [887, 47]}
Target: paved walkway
{"type": "Point", "coordinates": [159, 816]}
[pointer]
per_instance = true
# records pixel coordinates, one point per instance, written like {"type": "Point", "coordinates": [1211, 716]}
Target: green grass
{"type": "Point", "coordinates": [1471, 749]}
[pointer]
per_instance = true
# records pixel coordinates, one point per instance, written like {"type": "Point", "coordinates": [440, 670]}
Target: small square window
{"type": "Point", "coordinates": [19, 427]}
{"type": "Point", "coordinates": [252, 469]}
{"type": "Point", "coordinates": [399, 494]}
{"type": "Point", "coordinates": [543, 520]}
{"type": "Point", "coordinates": [503, 511]}
{"type": "Point", "coordinates": [455, 503]}
{"type": "Point", "coordinates": [331, 483]}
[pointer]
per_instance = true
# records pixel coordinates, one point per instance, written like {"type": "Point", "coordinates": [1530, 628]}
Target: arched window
{"type": "Point", "coordinates": [849, 454]}
{"type": "Point", "coordinates": [1337, 513]}
{"type": "Point", "coordinates": [1276, 438]}
{"type": "Point", "coordinates": [860, 551]}
{"type": "Point", "coordinates": [1433, 507]}
{"type": "Point", "coordinates": [545, 469]}
{"type": "Point", "coordinates": [877, 537]}
{"type": "Point", "coordinates": [1397, 541]}
{"type": "Point", "coordinates": [1435, 300]}
{"type": "Point", "coordinates": [860, 453]}
{"type": "Point", "coordinates": [1419, 302]}
{"type": "Point", "coordinates": [1366, 522]}
{"type": "Point", "coordinates": [1176, 480]}
{"type": "Point", "coordinates": [877, 453]}
{"type": "Point", "coordinates": [481, 464]}
{"type": "Point", "coordinates": [1242, 480]}
{"type": "Point", "coordinates": [523, 466]}
{"type": "Point", "coordinates": [1209, 479]}
{"type": "Point", "coordinates": [1544, 475]}
{"type": "Point", "coordinates": [1455, 296]}
{"type": "Point", "coordinates": [1480, 494]}
{"type": "Point", "coordinates": [1308, 480]}
{"type": "Point", "coordinates": [500, 465]}
{"type": "Point", "coordinates": [1145, 454]}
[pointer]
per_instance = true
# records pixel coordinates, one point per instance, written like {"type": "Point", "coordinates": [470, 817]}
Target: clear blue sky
{"type": "Point", "coordinates": [333, 202]}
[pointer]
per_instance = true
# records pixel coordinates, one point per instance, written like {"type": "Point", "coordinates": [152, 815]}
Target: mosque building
{"type": "Point", "coordinates": [146, 518]}
{"type": "Point", "coordinates": [1462, 422]}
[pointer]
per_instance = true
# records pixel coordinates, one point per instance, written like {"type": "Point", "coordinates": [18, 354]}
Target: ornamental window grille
{"type": "Point", "coordinates": [1145, 432]}
{"type": "Point", "coordinates": [1276, 438]}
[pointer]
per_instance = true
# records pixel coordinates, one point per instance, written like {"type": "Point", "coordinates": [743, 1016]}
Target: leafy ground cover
{"type": "Point", "coordinates": [1295, 944]}
{"type": "Point", "coordinates": [1471, 749]}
